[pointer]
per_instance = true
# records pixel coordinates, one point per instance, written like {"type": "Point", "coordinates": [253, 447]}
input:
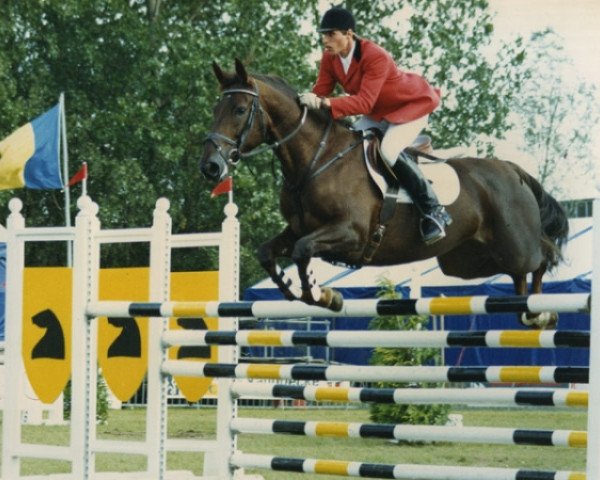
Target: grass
{"type": "Point", "coordinates": [200, 424]}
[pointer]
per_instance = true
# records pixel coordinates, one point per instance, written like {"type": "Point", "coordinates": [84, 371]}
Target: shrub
{"type": "Point", "coordinates": [408, 414]}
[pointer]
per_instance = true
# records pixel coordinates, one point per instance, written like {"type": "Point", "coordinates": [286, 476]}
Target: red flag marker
{"type": "Point", "coordinates": [224, 187]}
{"type": "Point", "coordinates": [81, 174]}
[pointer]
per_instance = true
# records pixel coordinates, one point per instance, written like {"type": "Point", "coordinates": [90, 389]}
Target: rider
{"type": "Point", "coordinates": [396, 102]}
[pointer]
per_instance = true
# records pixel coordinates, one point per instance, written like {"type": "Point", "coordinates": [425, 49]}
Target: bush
{"type": "Point", "coordinates": [408, 414]}
{"type": "Point", "coordinates": [101, 400]}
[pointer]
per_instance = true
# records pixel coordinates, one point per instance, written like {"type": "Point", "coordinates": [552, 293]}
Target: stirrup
{"type": "Point", "coordinates": [438, 220]}
{"type": "Point", "coordinates": [435, 235]}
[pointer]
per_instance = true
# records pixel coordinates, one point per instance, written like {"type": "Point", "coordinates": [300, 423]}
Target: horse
{"type": "Point", "coordinates": [504, 222]}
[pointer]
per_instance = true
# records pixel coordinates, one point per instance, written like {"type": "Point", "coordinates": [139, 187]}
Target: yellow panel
{"type": "Point", "coordinates": [46, 343]}
{"type": "Point", "coordinates": [123, 342]}
{"type": "Point", "coordinates": [194, 287]}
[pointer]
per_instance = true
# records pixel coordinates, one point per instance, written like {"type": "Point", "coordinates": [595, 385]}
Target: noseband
{"type": "Point", "coordinates": [235, 154]}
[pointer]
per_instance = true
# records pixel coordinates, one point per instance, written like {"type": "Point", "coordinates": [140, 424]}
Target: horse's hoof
{"type": "Point", "coordinates": [337, 302]}
{"type": "Point", "coordinates": [542, 321]}
{"type": "Point", "coordinates": [331, 299]}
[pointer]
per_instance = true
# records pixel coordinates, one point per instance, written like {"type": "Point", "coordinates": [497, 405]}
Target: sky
{"type": "Point", "coordinates": [577, 22]}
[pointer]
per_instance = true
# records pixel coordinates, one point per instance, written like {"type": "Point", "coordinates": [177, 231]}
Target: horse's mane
{"type": "Point", "coordinates": [282, 86]}
{"type": "Point", "coordinates": [277, 83]}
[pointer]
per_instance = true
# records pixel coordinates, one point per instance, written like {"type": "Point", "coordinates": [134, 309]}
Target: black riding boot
{"type": "Point", "coordinates": [434, 217]}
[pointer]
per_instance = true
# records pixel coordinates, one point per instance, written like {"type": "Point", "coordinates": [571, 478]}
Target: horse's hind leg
{"type": "Point", "coordinates": [279, 246]}
{"type": "Point", "coordinates": [537, 320]}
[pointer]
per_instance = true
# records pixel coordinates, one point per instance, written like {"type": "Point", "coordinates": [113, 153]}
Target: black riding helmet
{"type": "Point", "coordinates": [336, 18]}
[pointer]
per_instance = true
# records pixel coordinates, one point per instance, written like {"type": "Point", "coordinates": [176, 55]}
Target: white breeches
{"type": "Point", "coordinates": [396, 137]}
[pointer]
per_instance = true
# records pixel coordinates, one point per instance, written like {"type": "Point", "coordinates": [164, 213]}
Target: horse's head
{"type": "Point", "coordinates": [238, 125]}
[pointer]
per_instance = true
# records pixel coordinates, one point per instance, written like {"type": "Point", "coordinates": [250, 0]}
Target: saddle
{"type": "Point", "coordinates": [377, 165]}
{"type": "Point", "coordinates": [422, 144]}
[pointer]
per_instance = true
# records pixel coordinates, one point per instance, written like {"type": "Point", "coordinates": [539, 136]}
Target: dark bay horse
{"type": "Point", "coordinates": [504, 221]}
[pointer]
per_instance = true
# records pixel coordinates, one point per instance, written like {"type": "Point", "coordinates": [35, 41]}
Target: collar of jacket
{"type": "Point", "coordinates": [357, 50]}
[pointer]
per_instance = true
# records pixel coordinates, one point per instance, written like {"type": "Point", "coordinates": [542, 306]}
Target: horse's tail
{"type": "Point", "coordinates": [555, 223]}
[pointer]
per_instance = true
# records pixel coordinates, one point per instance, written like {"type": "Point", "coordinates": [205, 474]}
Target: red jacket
{"type": "Point", "coordinates": [375, 86]}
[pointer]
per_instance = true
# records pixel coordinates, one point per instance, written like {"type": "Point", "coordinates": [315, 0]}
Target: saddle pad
{"type": "Point", "coordinates": [443, 178]}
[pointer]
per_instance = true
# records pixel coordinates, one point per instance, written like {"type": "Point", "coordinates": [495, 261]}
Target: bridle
{"type": "Point", "coordinates": [235, 154]}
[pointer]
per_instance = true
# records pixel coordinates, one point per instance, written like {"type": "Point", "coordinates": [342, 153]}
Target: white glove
{"type": "Point", "coordinates": [310, 100]}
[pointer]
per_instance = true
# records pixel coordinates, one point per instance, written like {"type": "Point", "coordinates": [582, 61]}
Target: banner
{"type": "Point", "coordinates": [29, 157]}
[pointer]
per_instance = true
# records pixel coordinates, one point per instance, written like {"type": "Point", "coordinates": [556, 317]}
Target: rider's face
{"type": "Point", "coordinates": [337, 42]}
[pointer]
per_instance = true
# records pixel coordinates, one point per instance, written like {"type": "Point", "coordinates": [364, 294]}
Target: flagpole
{"type": "Point", "coordinates": [67, 189]}
{"type": "Point", "coordinates": [84, 181]}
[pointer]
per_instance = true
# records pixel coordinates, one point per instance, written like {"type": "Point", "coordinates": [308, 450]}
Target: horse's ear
{"type": "Point", "coordinates": [218, 73]}
{"type": "Point", "coordinates": [241, 70]}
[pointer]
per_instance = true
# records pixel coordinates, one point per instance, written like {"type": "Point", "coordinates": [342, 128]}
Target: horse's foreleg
{"type": "Point", "coordinates": [313, 293]}
{"type": "Point", "coordinates": [338, 238]}
{"type": "Point", "coordinates": [268, 253]}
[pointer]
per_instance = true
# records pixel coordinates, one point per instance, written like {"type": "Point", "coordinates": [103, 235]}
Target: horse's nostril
{"type": "Point", "coordinates": [211, 170]}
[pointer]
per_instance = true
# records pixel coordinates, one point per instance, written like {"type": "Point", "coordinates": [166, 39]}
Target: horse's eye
{"type": "Point", "coordinates": [240, 110]}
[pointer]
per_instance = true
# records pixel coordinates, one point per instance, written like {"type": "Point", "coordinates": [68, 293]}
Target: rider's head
{"type": "Point", "coordinates": [337, 30]}
{"type": "Point", "coordinates": [337, 18]}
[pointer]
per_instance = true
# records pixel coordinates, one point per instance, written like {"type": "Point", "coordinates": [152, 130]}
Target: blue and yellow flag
{"type": "Point", "coordinates": [30, 156]}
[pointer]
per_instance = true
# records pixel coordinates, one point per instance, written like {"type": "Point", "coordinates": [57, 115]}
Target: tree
{"type": "Point", "coordinates": [556, 114]}
{"type": "Point", "coordinates": [140, 89]}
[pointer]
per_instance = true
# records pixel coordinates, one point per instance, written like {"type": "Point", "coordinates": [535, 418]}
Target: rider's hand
{"type": "Point", "coordinates": [310, 100]}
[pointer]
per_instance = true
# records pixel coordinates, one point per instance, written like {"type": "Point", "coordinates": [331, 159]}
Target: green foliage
{"type": "Point", "coordinates": [139, 95]}
{"type": "Point", "coordinates": [140, 89]}
{"type": "Point", "coordinates": [101, 400]}
{"type": "Point", "coordinates": [403, 413]}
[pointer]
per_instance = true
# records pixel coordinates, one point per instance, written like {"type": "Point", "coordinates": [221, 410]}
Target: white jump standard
{"type": "Point", "coordinates": [222, 459]}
